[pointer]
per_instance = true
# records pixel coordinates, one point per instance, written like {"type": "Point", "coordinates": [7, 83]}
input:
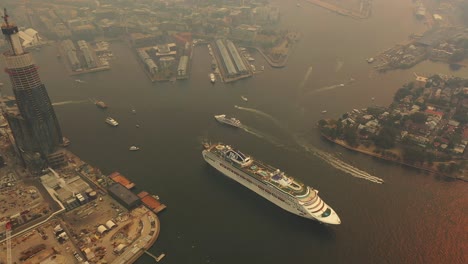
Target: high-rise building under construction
{"type": "Point", "coordinates": [32, 119]}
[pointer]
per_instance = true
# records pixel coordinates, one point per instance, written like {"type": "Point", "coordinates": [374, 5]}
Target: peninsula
{"type": "Point", "coordinates": [425, 127]}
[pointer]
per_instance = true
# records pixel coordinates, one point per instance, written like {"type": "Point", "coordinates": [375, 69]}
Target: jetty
{"type": "Point", "coordinates": [152, 202]}
{"type": "Point", "coordinates": [158, 258]}
{"type": "Point", "coordinates": [119, 178]}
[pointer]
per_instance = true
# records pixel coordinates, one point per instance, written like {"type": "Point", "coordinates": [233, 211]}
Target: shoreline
{"type": "Point", "coordinates": [375, 155]}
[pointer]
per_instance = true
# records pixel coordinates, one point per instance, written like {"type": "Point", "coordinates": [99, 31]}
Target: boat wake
{"type": "Point", "coordinates": [276, 142]}
{"type": "Point", "coordinates": [263, 114]}
{"type": "Point", "coordinates": [339, 65]}
{"type": "Point", "coordinates": [70, 102]}
{"type": "Point", "coordinates": [337, 163]}
{"type": "Point", "coordinates": [327, 88]}
{"type": "Point", "coordinates": [325, 156]}
{"type": "Point", "coordinates": [305, 79]}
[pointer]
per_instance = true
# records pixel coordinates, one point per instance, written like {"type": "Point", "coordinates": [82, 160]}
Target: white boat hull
{"type": "Point", "coordinates": [257, 187]}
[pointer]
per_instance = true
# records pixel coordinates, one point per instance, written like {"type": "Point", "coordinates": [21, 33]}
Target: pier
{"type": "Point", "coordinates": [365, 8]}
{"type": "Point", "coordinates": [157, 259]}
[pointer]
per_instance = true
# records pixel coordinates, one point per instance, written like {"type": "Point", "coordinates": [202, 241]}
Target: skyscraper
{"type": "Point", "coordinates": [32, 119]}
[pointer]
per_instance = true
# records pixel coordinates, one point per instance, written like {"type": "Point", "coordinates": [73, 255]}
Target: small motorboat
{"type": "Point", "coordinates": [324, 111]}
{"type": "Point", "coordinates": [244, 98]}
{"type": "Point", "coordinates": [134, 148]}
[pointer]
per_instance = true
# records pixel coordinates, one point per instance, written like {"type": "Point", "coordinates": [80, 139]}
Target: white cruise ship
{"type": "Point", "coordinates": [271, 183]}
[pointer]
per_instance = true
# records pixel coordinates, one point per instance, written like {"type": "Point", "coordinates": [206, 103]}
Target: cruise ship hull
{"type": "Point", "coordinates": [262, 189]}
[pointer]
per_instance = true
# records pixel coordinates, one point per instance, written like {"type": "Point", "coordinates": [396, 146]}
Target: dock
{"type": "Point", "coordinates": [119, 178]}
{"type": "Point", "coordinates": [364, 10]}
{"type": "Point", "coordinates": [158, 258]}
{"type": "Point", "coordinates": [151, 202]}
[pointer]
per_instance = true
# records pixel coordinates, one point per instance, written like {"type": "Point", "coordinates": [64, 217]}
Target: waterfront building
{"type": "Point", "coordinates": [87, 54]}
{"type": "Point", "coordinates": [32, 119]}
{"type": "Point", "coordinates": [245, 32]}
{"type": "Point", "coordinates": [166, 62]}
{"type": "Point", "coordinates": [182, 68]}
{"type": "Point", "coordinates": [124, 196]}
{"type": "Point", "coordinates": [231, 70]}
{"type": "Point", "coordinates": [29, 38]}
{"type": "Point", "coordinates": [236, 57]}
{"type": "Point", "coordinates": [70, 51]}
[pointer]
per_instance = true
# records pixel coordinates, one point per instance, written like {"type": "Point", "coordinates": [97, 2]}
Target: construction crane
{"type": "Point", "coordinates": [8, 242]}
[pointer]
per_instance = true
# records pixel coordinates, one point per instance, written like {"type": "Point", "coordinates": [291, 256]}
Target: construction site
{"type": "Point", "coordinates": [73, 214]}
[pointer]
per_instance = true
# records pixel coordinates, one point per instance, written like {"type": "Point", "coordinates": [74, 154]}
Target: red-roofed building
{"type": "Point", "coordinates": [465, 133]}
{"type": "Point", "coordinates": [433, 112]}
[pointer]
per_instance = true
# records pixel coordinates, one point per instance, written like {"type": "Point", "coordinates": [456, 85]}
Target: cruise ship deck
{"type": "Point", "coordinates": [261, 171]}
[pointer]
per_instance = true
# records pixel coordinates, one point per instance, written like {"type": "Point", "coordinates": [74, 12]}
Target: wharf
{"type": "Point", "coordinates": [365, 8]}
{"type": "Point", "coordinates": [151, 202]}
{"type": "Point", "coordinates": [222, 73]}
{"type": "Point", "coordinates": [119, 178]}
{"type": "Point", "coordinates": [64, 59]}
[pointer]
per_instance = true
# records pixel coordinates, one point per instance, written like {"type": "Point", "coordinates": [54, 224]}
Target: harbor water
{"type": "Point", "coordinates": [411, 218]}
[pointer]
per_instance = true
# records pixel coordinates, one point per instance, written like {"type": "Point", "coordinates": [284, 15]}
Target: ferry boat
{"type": "Point", "coordinates": [272, 184]}
{"type": "Point", "coordinates": [101, 104]}
{"type": "Point", "coordinates": [228, 120]}
{"type": "Point", "coordinates": [134, 148]}
{"type": "Point", "coordinates": [212, 78]}
{"type": "Point", "coordinates": [111, 121]}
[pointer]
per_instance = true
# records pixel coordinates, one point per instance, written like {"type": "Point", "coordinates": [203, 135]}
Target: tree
{"type": "Point", "coordinates": [418, 118]}
{"type": "Point", "coordinates": [322, 122]}
{"type": "Point", "coordinates": [457, 56]}
{"type": "Point", "coordinates": [386, 138]}
{"type": "Point", "coordinates": [413, 154]}
{"type": "Point", "coordinates": [350, 136]}
{"type": "Point", "coordinates": [401, 93]}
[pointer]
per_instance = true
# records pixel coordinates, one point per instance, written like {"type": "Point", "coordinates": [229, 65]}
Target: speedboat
{"type": "Point", "coordinates": [111, 121]}
{"type": "Point", "coordinates": [370, 60]}
{"type": "Point", "coordinates": [324, 111]}
{"type": "Point", "coordinates": [212, 78]}
{"type": "Point", "coordinates": [134, 148]}
{"type": "Point", "coordinates": [101, 104]}
{"type": "Point", "coordinates": [244, 98]}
